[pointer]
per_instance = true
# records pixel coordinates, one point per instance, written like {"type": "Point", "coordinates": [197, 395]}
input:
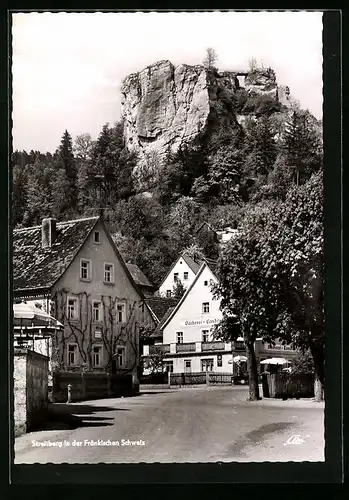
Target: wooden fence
{"type": "Point", "coordinates": [288, 385]}
{"type": "Point", "coordinates": [186, 379]}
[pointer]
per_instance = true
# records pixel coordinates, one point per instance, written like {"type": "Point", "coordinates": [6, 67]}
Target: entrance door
{"type": "Point", "coordinates": [187, 366]}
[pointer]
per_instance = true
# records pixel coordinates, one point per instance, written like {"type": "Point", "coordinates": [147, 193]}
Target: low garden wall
{"type": "Point", "coordinates": [30, 390]}
{"type": "Point", "coordinates": [91, 385]}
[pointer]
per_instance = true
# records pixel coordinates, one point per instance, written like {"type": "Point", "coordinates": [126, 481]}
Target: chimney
{"type": "Point", "coordinates": [48, 232]}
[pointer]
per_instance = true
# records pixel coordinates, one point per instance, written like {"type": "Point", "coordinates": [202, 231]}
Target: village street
{"type": "Point", "coordinates": [204, 424]}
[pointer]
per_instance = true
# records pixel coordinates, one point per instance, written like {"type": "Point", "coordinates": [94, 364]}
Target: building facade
{"type": "Point", "coordinates": [74, 270]}
{"type": "Point", "coordinates": [187, 340]}
{"type": "Point", "coordinates": [184, 269]}
{"type": "Point", "coordinates": [185, 337]}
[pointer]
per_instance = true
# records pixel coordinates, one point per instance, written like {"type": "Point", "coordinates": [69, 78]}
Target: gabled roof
{"type": "Point", "coordinates": [158, 330]}
{"type": "Point", "coordinates": [193, 264]}
{"type": "Point", "coordinates": [175, 309]}
{"type": "Point", "coordinates": [38, 268]}
{"type": "Point", "coordinates": [138, 276]}
{"type": "Point", "coordinates": [205, 224]}
{"type": "Point", "coordinates": [160, 305]}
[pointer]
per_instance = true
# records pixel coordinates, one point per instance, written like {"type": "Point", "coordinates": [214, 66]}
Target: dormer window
{"type": "Point", "coordinates": [97, 237]}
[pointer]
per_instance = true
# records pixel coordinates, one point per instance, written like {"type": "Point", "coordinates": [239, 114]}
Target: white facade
{"type": "Point", "coordinates": [188, 331]}
{"type": "Point", "coordinates": [180, 270]}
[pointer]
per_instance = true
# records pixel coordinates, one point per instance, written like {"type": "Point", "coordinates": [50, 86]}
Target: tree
{"type": "Point", "coordinates": [178, 290]}
{"type": "Point", "coordinates": [210, 58]}
{"type": "Point", "coordinates": [155, 361]}
{"type": "Point", "coordinates": [225, 175]}
{"type": "Point", "coordinates": [195, 252]}
{"type": "Point", "coordinates": [83, 147]}
{"type": "Point", "coordinates": [107, 178]}
{"type": "Point", "coordinates": [64, 181]}
{"type": "Point", "coordinates": [302, 146]}
{"type": "Point", "coordinates": [303, 363]}
{"type": "Point", "coordinates": [271, 276]}
{"type": "Point", "coordinates": [293, 255]}
{"type": "Point", "coordinates": [247, 304]}
{"type": "Point", "coordinates": [19, 193]}
{"type": "Point", "coordinates": [39, 193]}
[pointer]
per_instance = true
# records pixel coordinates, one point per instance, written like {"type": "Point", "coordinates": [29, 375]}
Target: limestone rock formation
{"type": "Point", "coordinates": [165, 106]}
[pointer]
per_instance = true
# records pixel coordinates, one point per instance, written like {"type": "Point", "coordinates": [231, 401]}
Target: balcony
{"type": "Point", "coordinates": [164, 348]}
{"type": "Point", "coordinates": [188, 347]}
{"type": "Point", "coordinates": [239, 346]}
{"type": "Point", "coordinates": [212, 346]}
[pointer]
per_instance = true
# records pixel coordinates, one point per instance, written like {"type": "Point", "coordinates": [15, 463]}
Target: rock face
{"type": "Point", "coordinates": [165, 106]}
{"type": "Point", "coordinates": [262, 81]}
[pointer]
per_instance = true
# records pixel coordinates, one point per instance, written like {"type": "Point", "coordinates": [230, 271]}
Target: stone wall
{"type": "Point", "coordinates": [30, 389]}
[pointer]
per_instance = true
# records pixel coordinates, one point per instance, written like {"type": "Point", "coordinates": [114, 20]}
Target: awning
{"type": "Point", "coordinates": [275, 361]}
{"type": "Point", "coordinates": [29, 316]}
{"type": "Point", "coordinates": [238, 359]}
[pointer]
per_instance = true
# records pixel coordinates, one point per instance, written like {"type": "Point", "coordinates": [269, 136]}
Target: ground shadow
{"type": "Point", "coordinates": [62, 416]}
{"type": "Point", "coordinates": [256, 437]}
{"type": "Point", "coordinates": [155, 392]}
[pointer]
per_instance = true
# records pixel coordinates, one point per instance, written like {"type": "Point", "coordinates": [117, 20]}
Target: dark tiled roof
{"type": "Point", "coordinates": [138, 276]}
{"type": "Point", "coordinates": [207, 225]}
{"type": "Point", "coordinates": [158, 330]}
{"type": "Point", "coordinates": [160, 305]}
{"type": "Point", "coordinates": [197, 263]}
{"type": "Point", "coordinates": [35, 267]}
{"type": "Point", "coordinates": [194, 264]}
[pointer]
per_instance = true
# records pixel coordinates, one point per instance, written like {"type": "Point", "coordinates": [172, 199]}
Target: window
{"type": "Point", "coordinates": [85, 269]}
{"type": "Point", "coordinates": [72, 308]}
{"type": "Point", "coordinates": [120, 313]}
{"type": "Point", "coordinates": [187, 366]}
{"type": "Point", "coordinates": [168, 366]}
{"type": "Point", "coordinates": [211, 282]}
{"type": "Point", "coordinates": [204, 335]}
{"type": "Point", "coordinates": [205, 283]}
{"type": "Point", "coordinates": [96, 237]}
{"type": "Point", "coordinates": [219, 360]}
{"type": "Point", "coordinates": [179, 337]}
{"type": "Point", "coordinates": [97, 355]}
{"type": "Point", "coordinates": [175, 277]}
{"type": "Point", "coordinates": [168, 293]}
{"type": "Point", "coordinates": [205, 307]}
{"type": "Point", "coordinates": [120, 357]}
{"type": "Point", "coordinates": [207, 365]}
{"type": "Point", "coordinates": [72, 354]}
{"type": "Point", "coordinates": [108, 273]}
{"type": "Point", "coordinates": [185, 276]}
{"type": "Point", "coordinates": [96, 311]}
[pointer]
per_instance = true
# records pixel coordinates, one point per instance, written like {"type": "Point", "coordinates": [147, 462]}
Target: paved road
{"type": "Point", "coordinates": [183, 425]}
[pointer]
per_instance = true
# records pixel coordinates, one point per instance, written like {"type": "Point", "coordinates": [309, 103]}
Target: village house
{"type": "Point", "coordinates": [184, 269]}
{"type": "Point", "coordinates": [74, 270]}
{"type": "Point", "coordinates": [184, 334]}
{"type": "Point", "coordinates": [186, 330]}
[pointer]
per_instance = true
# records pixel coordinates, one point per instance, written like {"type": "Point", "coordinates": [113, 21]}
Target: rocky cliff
{"type": "Point", "coordinates": [164, 106]}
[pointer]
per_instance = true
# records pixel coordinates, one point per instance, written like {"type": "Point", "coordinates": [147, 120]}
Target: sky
{"type": "Point", "coordinates": [67, 68]}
